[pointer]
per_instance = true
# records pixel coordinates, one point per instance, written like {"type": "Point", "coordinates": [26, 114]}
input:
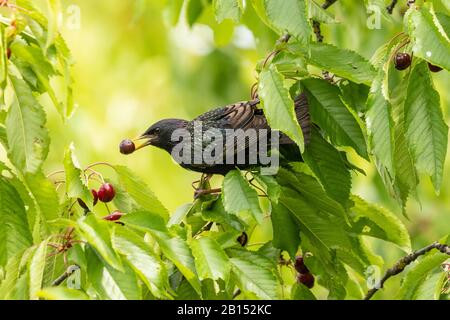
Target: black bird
{"type": "Point", "coordinates": [242, 115]}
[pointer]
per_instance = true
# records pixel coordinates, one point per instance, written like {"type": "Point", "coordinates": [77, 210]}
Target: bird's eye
{"type": "Point", "coordinates": [156, 131]}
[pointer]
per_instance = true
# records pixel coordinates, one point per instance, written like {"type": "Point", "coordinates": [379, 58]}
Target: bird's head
{"type": "Point", "coordinates": [160, 134]}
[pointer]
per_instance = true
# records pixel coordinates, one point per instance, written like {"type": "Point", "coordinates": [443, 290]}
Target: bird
{"type": "Point", "coordinates": [214, 127]}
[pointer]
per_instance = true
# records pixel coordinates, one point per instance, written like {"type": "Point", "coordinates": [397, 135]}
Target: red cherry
{"type": "Point", "coordinates": [306, 278]}
{"type": "Point", "coordinates": [114, 216]}
{"type": "Point", "coordinates": [95, 195]}
{"type": "Point", "coordinates": [106, 192]}
{"type": "Point", "coordinates": [127, 146]}
{"type": "Point", "coordinates": [300, 265]}
{"type": "Point", "coordinates": [434, 68]}
{"type": "Point", "coordinates": [402, 61]}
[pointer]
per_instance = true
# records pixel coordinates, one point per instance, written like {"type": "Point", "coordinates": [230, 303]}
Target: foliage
{"type": "Point", "coordinates": [361, 110]}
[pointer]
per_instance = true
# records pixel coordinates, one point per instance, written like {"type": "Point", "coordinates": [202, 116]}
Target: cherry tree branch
{"type": "Point", "coordinates": [316, 24]}
{"type": "Point", "coordinates": [69, 271]}
{"type": "Point", "coordinates": [405, 261]}
{"type": "Point", "coordinates": [390, 8]}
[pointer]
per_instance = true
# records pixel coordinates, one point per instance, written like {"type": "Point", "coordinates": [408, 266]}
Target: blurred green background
{"type": "Point", "coordinates": [133, 66]}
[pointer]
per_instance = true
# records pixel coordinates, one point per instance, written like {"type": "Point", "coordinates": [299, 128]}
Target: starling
{"type": "Point", "coordinates": [215, 127]}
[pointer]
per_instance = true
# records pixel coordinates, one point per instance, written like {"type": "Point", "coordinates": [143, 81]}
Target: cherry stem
{"type": "Point", "coordinates": [100, 163]}
{"type": "Point", "coordinates": [107, 208]}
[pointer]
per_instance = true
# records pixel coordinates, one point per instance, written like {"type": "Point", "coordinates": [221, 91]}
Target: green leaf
{"type": "Point", "coordinates": [239, 196]}
{"type": "Point", "coordinates": [28, 139]}
{"type": "Point", "coordinates": [430, 40]}
{"type": "Point", "coordinates": [147, 265]}
{"type": "Point", "coordinates": [194, 9]}
{"type": "Point", "coordinates": [3, 62]}
{"type": "Point", "coordinates": [289, 16]}
{"type": "Point", "coordinates": [76, 186]}
{"type": "Point", "coordinates": [211, 261]}
{"type": "Point", "coordinates": [342, 62]}
{"type": "Point", "coordinates": [97, 234]}
{"type": "Point", "coordinates": [418, 275]}
{"type": "Point", "coordinates": [375, 221]}
{"type": "Point", "coordinates": [270, 185]}
{"type": "Point", "coordinates": [355, 95]}
{"type": "Point", "coordinates": [380, 124]}
{"type": "Point", "coordinates": [44, 195]}
{"type": "Point", "coordinates": [62, 293]}
{"type": "Point", "coordinates": [110, 283]}
{"type": "Point", "coordinates": [317, 13]}
{"type": "Point", "coordinates": [312, 191]}
{"type": "Point", "coordinates": [327, 164]}
{"type": "Point", "coordinates": [140, 192]}
{"type": "Point", "coordinates": [278, 105]}
{"type": "Point", "coordinates": [36, 269]}
{"type": "Point", "coordinates": [54, 8]}
{"type": "Point", "coordinates": [215, 211]}
{"type": "Point", "coordinates": [426, 131]}
{"type": "Point", "coordinates": [286, 232]}
{"type": "Point", "coordinates": [173, 247]}
{"type": "Point", "coordinates": [321, 230]}
{"type": "Point", "coordinates": [301, 292]}
{"type": "Point", "coordinates": [227, 9]}
{"type": "Point", "coordinates": [332, 115]}
{"type": "Point", "coordinates": [173, 10]}
{"type": "Point", "coordinates": [254, 278]}
{"type": "Point", "coordinates": [15, 235]}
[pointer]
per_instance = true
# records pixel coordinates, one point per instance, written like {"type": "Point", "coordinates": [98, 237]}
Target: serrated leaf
{"type": "Point", "coordinates": [380, 124]}
{"type": "Point", "coordinates": [270, 184]}
{"type": "Point", "coordinates": [147, 265]}
{"type": "Point", "coordinates": [341, 62]}
{"type": "Point", "coordinates": [289, 16]}
{"type": "Point", "coordinates": [173, 247]}
{"type": "Point", "coordinates": [317, 13]}
{"type": "Point", "coordinates": [426, 131]}
{"type": "Point", "coordinates": [375, 221]}
{"type": "Point", "coordinates": [254, 278]}
{"type": "Point", "coordinates": [211, 261]}
{"type": "Point", "coordinates": [278, 105]}
{"type": "Point", "coordinates": [54, 8]}
{"type": "Point", "coordinates": [215, 211]}
{"type": "Point", "coordinates": [320, 229]}
{"type": "Point", "coordinates": [140, 192]}
{"type": "Point", "coordinates": [28, 139]}
{"type": "Point", "coordinates": [110, 283]}
{"type": "Point", "coordinates": [97, 234]}
{"type": "Point", "coordinates": [36, 269]}
{"type": "Point", "coordinates": [430, 41]}
{"type": "Point", "coordinates": [286, 232]}
{"type": "Point", "coordinates": [15, 235]}
{"type": "Point", "coordinates": [301, 292]}
{"type": "Point", "coordinates": [418, 274]}
{"type": "Point", "coordinates": [238, 196]}
{"type": "Point", "coordinates": [227, 9]}
{"type": "Point", "coordinates": [76, 186]}
{"type": "Point", "coordinates": [332, 115]}
{"type": "Point", "coordinates": [312, 192]}
{"type": "Point", "coordinates": [327, 164]}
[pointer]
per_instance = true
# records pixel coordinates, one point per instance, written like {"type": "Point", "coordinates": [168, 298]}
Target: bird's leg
{"type": "Point", "coordinates": [203, 187]}
{"type": "Point", "coordinates": [202, 192]}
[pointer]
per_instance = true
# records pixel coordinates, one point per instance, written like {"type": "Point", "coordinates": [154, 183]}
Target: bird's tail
{"type": "Point", "coordinates": [303, 117]}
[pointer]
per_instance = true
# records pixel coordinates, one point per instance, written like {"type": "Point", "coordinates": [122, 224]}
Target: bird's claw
{"type": "Point", "coordinates": [202, 192]}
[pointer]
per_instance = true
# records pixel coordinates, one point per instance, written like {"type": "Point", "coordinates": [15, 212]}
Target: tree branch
{"type": "Point", "coordinates": [390, 8]}
{"type": "Point", "coordinates": [316, 24]}
{"type": "Point", "coordinates": [405, 261]}
{"type": "Point", "coordinates": [69, 271]}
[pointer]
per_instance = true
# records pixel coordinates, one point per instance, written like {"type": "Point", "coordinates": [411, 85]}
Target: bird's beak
{"type": "Point", "coordinates": [148, 139]}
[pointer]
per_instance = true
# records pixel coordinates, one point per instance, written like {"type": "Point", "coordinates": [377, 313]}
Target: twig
{"type": "Point", "coordinates": [69, 271]}
{"type": "Point", "coordinates": [328, 4]}
{"type": "Point", "coordinates": [405, 261]}
{"type": "Point", "coordinates": [390, 8]}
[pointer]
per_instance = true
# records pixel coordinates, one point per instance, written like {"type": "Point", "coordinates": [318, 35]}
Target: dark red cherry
{"type": "Point", "coordinates": [306, 278]}
{"type": "Point", "coordinates": [106, 192]}
{"type": "Point", "coordinates": [300, 265]}
{"type": "Point", "coordinates": [402, 61]}
{"type": "Point", "coordinates": [434, 68]}
{"type": "Point", "coordinates": [127, 146]}
{"type": "Point", "coordinates": [114, 216]}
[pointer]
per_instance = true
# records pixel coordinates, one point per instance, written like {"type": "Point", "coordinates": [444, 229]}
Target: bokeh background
{"type": "Point", "coordinates": [133, 66]}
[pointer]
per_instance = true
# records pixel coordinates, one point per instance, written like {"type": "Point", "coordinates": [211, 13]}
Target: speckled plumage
{"type": "Point", "coordinates": [242, 115]}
